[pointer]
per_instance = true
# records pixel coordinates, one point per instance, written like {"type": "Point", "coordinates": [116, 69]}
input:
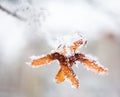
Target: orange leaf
{"type": "Point", "coordinates": [60, 76]}
{"type": "Point", "coordinates": [69, 73]}
{"type": "Point", "coordinates": [44, 60]}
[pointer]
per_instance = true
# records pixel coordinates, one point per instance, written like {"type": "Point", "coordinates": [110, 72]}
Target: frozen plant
{"type": "Point", "coordinates": [67, 54]}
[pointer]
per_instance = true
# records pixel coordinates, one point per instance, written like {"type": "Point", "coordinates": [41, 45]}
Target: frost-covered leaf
{"type": "Point", "coordinates": [67, 56]}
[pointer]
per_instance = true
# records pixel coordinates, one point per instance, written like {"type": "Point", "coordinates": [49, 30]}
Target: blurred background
{"type": "Point", "coordinates": [31, 27]}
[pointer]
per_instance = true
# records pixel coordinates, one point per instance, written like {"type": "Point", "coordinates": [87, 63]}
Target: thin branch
{"type": "Point", "coordinates": [12, 13]}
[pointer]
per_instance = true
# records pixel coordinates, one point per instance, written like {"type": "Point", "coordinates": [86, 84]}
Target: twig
{"type": "Point", "coordinates": [12, 13]}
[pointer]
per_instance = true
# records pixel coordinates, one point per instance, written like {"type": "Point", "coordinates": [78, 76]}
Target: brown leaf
{"type": "Point", "coordinates": [69, 73]}
{"type": "Point", "coordinates": [41, 61]}
{"type": "Point", "coordinates": [60, 76]}
{"type": "Point", "coordinates": [92, 65]}
{"type": "Point", "coordinates": [76, 45]}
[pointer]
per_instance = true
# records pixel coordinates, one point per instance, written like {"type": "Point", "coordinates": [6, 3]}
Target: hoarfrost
{"type": "Point", "coordinates": [67, 41]}
{"type": "Point", "coordinates": [95, 61]}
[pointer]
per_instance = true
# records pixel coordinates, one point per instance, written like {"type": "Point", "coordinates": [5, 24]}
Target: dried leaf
{"type": "Point", "coordinates": [41, 61]}
{"type": "Point", "coordinates": [60, 76]}
{"type": "Point", "coordinates": [76, 45]}
{"type": "Point", "coordinates": [92, 65]}
{"type": "Point", "coordinates": [69, 73]}
{"type": "Point", "coordinates": [66, 62]}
